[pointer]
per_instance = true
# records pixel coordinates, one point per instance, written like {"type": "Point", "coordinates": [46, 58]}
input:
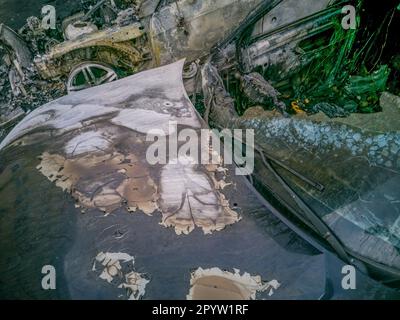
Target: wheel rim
{"type": "Point", "coordinates": [89, 75]}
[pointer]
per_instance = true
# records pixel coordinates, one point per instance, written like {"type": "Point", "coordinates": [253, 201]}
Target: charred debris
{"type": "Point", "coordinates": [25, 81]}
{"type": "Point", "coordinates": [339, 72]}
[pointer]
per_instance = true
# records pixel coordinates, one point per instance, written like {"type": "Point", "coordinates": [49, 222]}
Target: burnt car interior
{"type": "Point", "coordinates": [320, 91]}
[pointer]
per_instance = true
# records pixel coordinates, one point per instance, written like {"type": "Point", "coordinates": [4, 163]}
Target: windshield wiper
{"type": "Point", "coordinates": [319, 225]}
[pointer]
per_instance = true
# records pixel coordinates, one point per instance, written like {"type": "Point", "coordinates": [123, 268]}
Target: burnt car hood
{"type": "Point", "coordinates": [75, 186]}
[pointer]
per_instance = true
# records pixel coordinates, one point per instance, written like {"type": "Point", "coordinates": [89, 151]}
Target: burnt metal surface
{"type": "Point", "coordinates": [42, 222]}
{"type": "Point", "coordinates": [189, 29]}
{"type": "Point", "coordinates": [16, 45]}
{"type": "Point", "coordinates": [277, 49]}
{"type": "Point", "coordinates": [113, 46]}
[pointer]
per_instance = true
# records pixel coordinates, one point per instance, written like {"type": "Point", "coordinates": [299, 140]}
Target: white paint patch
{"type": "Point", "coordinates": [136, 285]}
{"type": "Point", "coordinates": [214, 284]}
{"type": "Point", "coordinates": [188, 199]}
{"type": "Point", "coordinates": [112, 263]}
{"type": "Point", "coordinates": [90, 141]}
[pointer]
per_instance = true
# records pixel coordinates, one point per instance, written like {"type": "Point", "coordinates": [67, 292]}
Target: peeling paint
{"type": "Point", "coordinates": [187, 196]}
{"type": "Point", "coordinates": [98, 152]}
{"type": "Point", "coordinates": [189, 199]}
{"type": "Point", "coordinates": [105, 182]}
{"type": "Point", "coordinates": [215, 284]}
{"type": "Point", "coordinates": [112, 264]}
{"type": "Point", "coordinates": [136, 284]}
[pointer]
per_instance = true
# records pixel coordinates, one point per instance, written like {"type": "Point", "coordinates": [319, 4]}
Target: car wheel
{"type": "Point", "coordinates": [90, 74]}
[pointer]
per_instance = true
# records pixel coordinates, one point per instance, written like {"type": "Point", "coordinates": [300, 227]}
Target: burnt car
{"type": "Point", "coordinates": [80, 196]}
{"type": "Point", "coordinates": [111, 41]}
{"type": "Point", "coordinates": [323, 195]}
{"type": "Point", "coordinates": [105, 40]}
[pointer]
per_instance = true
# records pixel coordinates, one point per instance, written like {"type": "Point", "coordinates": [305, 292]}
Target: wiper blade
{"type": "Point", "coordinates": [319, 225]}
{"type": "Point", "coordinates": [320, 187]}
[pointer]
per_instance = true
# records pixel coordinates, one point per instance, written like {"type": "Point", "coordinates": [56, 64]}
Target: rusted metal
{"type": "Point", "coordinates": [112, 46]}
